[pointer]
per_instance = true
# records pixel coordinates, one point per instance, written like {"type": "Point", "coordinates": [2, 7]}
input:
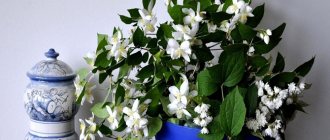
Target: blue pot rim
{"type": "Point", "coordinates": [180, 126]}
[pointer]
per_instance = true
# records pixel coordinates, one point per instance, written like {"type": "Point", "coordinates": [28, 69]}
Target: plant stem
{"type": "Point", "coordinates": [214, 45]}
{"type": "Point", "coordinates": [223, 97]}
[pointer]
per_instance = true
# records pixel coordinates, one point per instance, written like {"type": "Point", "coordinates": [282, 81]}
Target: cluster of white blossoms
{"type": "Point", "coordinates": [271, 100]}
{"type": "Point", "coordinates": [117, 46]}
{"type": "Point", "coordinates": [241, 10]}
{"type": "Point", "coordinates": [184, 35]}
{"type": "Point", "coordinates": [113, 118]}
{"type": "Point", "coordinates": [88, 133]}
{"type": "Point", "coordinates": [179, 98]}
{"type": "Point", "coordinates": [264, 35]}
{"type": "Point", "coordinates": [130, 89]}
{"type": "Point", "coordinates": [148, 19]}
{"type": "Point", "coordinates": [135, 120]}
{"type": "Point", "coordinates": [203, 118]}
{"type": "Point", "coordinates": [80, 84]}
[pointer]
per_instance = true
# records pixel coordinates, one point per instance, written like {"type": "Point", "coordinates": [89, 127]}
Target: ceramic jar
{"type": "Point", "coordinates": [50, 101]}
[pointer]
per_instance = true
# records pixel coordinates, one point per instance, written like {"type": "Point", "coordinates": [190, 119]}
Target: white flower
{"type": "Point", "coordinates": [82, 129]}
{"type": "Point", "coordinates": [192, 18]}
{"type": "Point", "coordinates": [176, 51]}
{"type": "Point", "coordinates": [184, 32]}
{"type": "Point", "coordinates": [274, 97]}
{"type": "Point", "coordinates": [203, 119]}
{"type": "Point", "coordinates": [130, 89]}
{"type": "Point", "coordinates": [227, 27]}
{"type": "Point", "coordinates": [250, 51]}
{"type": "Point", "coordinates": [272, 130]}
{"type": "Point", "coordinates": [90, 58]}
{"type": "Point", "coordinates": [259, 122]}
{"type": "Point", "coordinates": [292, 87]}
{"type": "Point", "coordinates": [133, 119]}
{"type": "Point", "coordinates": [265, 35]}
{"type": "Point", "coordinates": [244, 13]}
{"type": "Point", "coordinates": [260, 85]}
{"type": "Point", "coordinates": [148, 20]}
{"type": "Point", "coordinates": [117, 37]}
{"type": "Point", "coordinates": [302, 86]}
{"type": "Point", "coordinates": [178, 99]}
{"type": "Point", "coordinates": [211, 27]}
{"type": "Point", "coordinates": [252, 124]}
{"type": "Point", "coordinates": [118, 50]}
{"type": "Point", "coordinates": [88, 95]}
{"type": "Point", "coordinates": [289, 101]}
{"type": "Point", "coordinates": [112, 119]}
{"type": "Point", "coordinates": [204, 130]}
{"type": "Point", "coordinates": [237, 5]}
{"type": "Point", "coordinates": [88, 134]}
{"type": "Point", "coordinates": [261, 118]}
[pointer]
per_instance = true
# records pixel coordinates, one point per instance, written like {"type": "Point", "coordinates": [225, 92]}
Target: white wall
{"type": "Point", "coordinates": [29, 27]}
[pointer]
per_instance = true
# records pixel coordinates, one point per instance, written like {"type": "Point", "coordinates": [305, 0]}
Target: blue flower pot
{"type": "Point", "coordinates": [171, 131]}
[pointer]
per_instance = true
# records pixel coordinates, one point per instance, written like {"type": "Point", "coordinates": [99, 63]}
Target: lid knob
{"type": "Point", "coordinates": [52, 54]}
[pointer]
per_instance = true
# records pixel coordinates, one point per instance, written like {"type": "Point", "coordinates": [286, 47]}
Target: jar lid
{"type": "Point", "coordinates": [51, 69]}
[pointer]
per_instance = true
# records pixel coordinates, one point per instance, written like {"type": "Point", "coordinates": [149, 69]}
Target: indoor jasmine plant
{"type": "Point", "coordinates": [208, 67]}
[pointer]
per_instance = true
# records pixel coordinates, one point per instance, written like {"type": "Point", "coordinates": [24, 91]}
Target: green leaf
{"type": "Point", "coordinates": [303, 69]}
{"type": "Point", "coordinates": [165, 30]}
{"type": "Point", "coordinates": [154, 126]}
{"type": "Point", "coordinates": [154, 94]}
{"type": "Point", "coordinates": [124, 71]}
{"type": "Point", "coordinates": [263, 70]}
{"type": "Point", "coordinates": [233, 67]}
{"type": "Point", "coordinates": [251, 100]}
{"type": "Point", "coordinates": [147, 2]}
{"type": "Point", "coordinates": [125, 19]}
{"type": "Point", "coordinates": [153, 46]}
{"type": "Point", "coordinates": [284, 77]}
{"type": "Point", "coordinates": [165, 102]}
{"type": "Point", "coordinates": [121, 125]}
{"type": "Point", "coordinates": [206, 83]}
{"type": "Point", "coordinates": [139, 40]}
{"type": "Point", "coordinates": [204, 4]}
{"type": "Point", "coordinates": [105, 130]}
{"type": "Point", "coordinates": [232, 113]}
{"type": "Point", "coordinates": [279, 64]}
{"type": "Point", "coordinates": [101, 41]}
{"type": "Point", "coordinates": [134, 13]}
{"type": "Point", "coordinates": [176, 14]}
{"type": "Point", "coordinates": [215, 131]}
{"type": "Point", "coordinates": [258, 13]}
{"type": "Point", "coordinates": [146, 72]}
{"type": "Point", "coordinates": [145, 57]}
{"type": "Point", "coordinates": [258, 61]}
{"type": "Point", "coordinates": [102, 60]}
{"type": "Point", "coordinates": [203, 54]}
{"type": "Point", "coordinates": [134, 59]}
{"type": "Point", "coordinates": [247, 33]}
{"type": "Point", "coordinates": [83, 73]}
{"type": "Point", "coordinates": [277, 33]}
{"type": "Point", "coordinates": [218, 17]}
{"type": "Point", "coordinates": [102, 77]}
{"type": "Point", "coordinates": [262, 48]}
{"type": "Point", "coordinates": [99, 110]}
{"type": "Point", "coordinates": [120, 95]}
{"type": "Point", "coordinates": [81, 95]}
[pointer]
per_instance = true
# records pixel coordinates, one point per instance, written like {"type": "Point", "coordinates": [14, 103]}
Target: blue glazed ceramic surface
{"type": "Point", "coordinates": [172, 131]}
{"type": "Point", "coordinates": [49, 100]}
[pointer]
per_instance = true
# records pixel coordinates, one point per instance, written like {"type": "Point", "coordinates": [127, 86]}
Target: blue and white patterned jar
{"type": "Point", "coordinates": [50, 101]}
